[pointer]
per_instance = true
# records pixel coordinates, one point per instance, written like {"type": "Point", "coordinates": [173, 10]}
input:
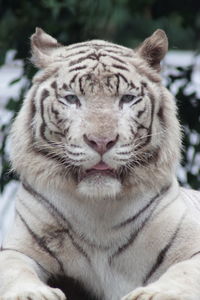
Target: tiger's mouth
{"type": "Point", "coordinates": [100, 169]}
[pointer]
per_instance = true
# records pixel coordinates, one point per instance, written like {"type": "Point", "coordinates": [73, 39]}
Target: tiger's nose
{"type": "Point", "coordinates": [100, 145]}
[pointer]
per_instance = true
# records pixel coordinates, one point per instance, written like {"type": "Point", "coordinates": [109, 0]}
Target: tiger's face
{"type": "Point", "coordinates": [98, 112]}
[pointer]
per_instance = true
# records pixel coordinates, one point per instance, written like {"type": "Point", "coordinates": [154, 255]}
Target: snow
{"type": "Point", "coordinates": [182, 59]}
{"type": "Point", "coordinates": [10, 71]}
{"type": "Point", "coordinates": [13, 69]}
{"type": "Point", "coordinates": [7, 208]}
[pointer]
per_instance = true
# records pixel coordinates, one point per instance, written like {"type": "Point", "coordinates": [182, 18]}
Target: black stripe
{"type": "Point", "coordinates": [92, 44]}
{"type": "Point", "coordinates": [33, 108]}
{"type": "Point", "coordinates": [80, 85]}
{"type": "Point", "coordinates": [107, 47]}
{"type": "Point", "coordinates": [55, 87]}
{"type": "Point", "coordinates": [136, 232]}
{"type": "Point", "coordinates": [122, 159]}
{"type": "Point", "coordinates": [151, 201]}
{"type": "Point", "coordinates": [144, 84]}
{"type": "Point", "coordinates": [140, 126]}
{"type": "Point", "coordinates": [117, 85]}
{"type": "Point", "coordinates": [57, 132]}
{"type": "Point", "coordinates": [65, 86]}
{"type": "Point", "coordinates": [142, 90]}
{"type": "Point", "coordinates": [137, 101]}
{"type": "Point", "coordinates": [123, 77]}
{"type": "Point", "coordinates": [41, 199]}
{"type": "Point", "coordinates": [77, 246]}
{"type": "Point", "coordinates": [96, 65]}
{"type": "Point", "coordinates": [161, 116]}
{"type": "Point", "coordinates": [75, 146]}
{"type": "Point", "coordinates": [132, 85]}
{"type": "Point", "coordinates": [45, 94]}
{"type": "Point", "coordinates": [121, 53]}
{"type": "Point", "coordinates": [30, 124]}
{"type": "Point", "coordinates": [41, 242]}
{"type": "Point", "coordinates": [56, 125]}
{"type": "Point", "coordinates": [66, 130]}
{"type": "Point", "coordinates": [196, 253]}
{"type": "Point", "coordinates": [72, 80]}
{"type": "Point", "coordinates": [130, 241]}
{"type": "Point", "coordinates": [55, 213]}
{"type": "Point", "coordinates": [78, 68]}
{"type": "Point", "coordinates": [62, 120]}
{"type": "Point", "coordinates": [69, 48]}
{"type": "Point", "coordinates": [55, 112]}
{"type": "Point", "coordinates": [46, 152]}
{"type": "Point", "coordinates": [140, 112]}
{"type": "Point", "coordinates": [76, 153]}
{"type": "Point", "coordinates": [149, 129]}
{"type": "Point", "coordinates": [114, 46]}
{"type": "Point", "coordinates": [56, 157]}
{"type": "Point", "coordinates": [79, 60]}
{"type": "Point", "coordinates": [117, 59]}
{"type": "Point", "coordinates": [75, 54]}
{"type": "Point", "coordinates": [63, 102]}
{"type": "Point", "coordinates": [124, 153]}
{"type": "Point", "coordinates": [162, 254]}
{"type": "Point", "coordinates": [120, 67]}
{"type": "Point", "coordinates": [37, 149]}
{"type": "Point", "coordinates": [132, 131]}
{"type": "Point", "coordinates": [152, 117]}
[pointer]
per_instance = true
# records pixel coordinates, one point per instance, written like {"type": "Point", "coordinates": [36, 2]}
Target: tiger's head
{"type": "Point", "coordinates": [97, 118]}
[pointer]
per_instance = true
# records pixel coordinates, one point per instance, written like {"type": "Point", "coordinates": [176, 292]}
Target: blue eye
{"type": "Point", "coordinates": [72, 99]}
{"type": "Point", "coordinates": [126, 99]}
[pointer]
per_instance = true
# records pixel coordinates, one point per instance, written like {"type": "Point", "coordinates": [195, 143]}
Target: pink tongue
{"type": "Point", "coordinates": [101, 166]}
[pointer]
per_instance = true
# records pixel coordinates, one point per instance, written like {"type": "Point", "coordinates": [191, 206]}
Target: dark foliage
{"type": "Point", "coordinates": [76, 291]}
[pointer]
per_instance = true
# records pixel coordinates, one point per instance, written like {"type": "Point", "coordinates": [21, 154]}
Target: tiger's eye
{"type": "Point", "coordinates": [72, 99]}
{"type": "Point", "coordinates": [127, 99]}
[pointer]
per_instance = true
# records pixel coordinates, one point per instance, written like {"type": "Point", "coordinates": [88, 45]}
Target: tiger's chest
{"type": "Point", "coordinates": [108, 270]}
{"type": "Point", "coordinates": [109, 256]}
{"type": "Point", "coordinates": [111, 263]}
{"type": "Point", "coordinates": [101, 275]}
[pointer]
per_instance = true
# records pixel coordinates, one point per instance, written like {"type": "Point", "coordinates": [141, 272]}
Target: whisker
{"type": "Point", "coordinates": [148, 135]}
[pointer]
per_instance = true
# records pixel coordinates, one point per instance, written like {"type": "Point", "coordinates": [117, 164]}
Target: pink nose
{"type": "Point", "coordinates": [100, 145]}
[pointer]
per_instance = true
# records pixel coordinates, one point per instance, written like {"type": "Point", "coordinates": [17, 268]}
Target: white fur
{"type": "Point", "coordinates": [79, 224]}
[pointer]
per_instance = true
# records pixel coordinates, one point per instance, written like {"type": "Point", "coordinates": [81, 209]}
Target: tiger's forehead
{"type": "Point", "coordinates": [98, 45]}
{"type": "Point", "coordinates": [98, 67]}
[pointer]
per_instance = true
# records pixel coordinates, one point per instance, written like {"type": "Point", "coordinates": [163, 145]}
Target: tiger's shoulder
{"type": "Point", "coordinates": [191, 199]}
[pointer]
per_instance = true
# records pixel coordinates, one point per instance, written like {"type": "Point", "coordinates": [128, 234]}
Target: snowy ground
{"type": "Point", "coordinates": [9, 72]}
{"type": "Point", "coordinates": [13, 70]}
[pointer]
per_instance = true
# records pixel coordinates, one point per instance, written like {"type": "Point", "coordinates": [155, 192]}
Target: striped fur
{"type": "Point", "coordinates": [96, 145]}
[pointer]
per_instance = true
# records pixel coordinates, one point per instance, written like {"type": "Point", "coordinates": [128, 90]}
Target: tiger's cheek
{"type": "Point", "coordinates": [74, 129]}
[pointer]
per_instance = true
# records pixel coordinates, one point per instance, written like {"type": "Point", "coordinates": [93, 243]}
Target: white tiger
{"type": "Point", "coordinates": [96, 144]}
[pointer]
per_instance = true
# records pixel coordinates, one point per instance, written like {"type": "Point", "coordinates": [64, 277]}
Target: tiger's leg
{"type": "Point", "coordinates": [21, 278]}
{"type": "Point", "coordinates": [180, 282]}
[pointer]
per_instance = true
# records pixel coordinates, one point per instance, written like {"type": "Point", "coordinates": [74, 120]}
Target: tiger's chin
{"type": "Point", "coordinates": [99, 187]}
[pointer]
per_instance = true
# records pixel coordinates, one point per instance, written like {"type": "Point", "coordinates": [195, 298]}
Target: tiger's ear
{"type": "Point", "coordinates": [43, 47]}
{"type": "Point", "coordinates": [154, 48]}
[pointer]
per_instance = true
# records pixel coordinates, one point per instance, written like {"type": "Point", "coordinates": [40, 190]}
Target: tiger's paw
{"type": "Point", "coordinates": [33, 293]}
{"type": "Point", "coordinates": [153, 293]}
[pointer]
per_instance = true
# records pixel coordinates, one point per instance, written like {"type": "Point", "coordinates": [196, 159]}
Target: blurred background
{"type": "Point", "coordinates": [127, 22]}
